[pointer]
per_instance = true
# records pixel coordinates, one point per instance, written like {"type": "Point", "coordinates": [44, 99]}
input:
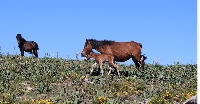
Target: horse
{"type": "Point", "coordinates": [27, 46]}
{"type": "Point", "coordinates": [121, 51]}
{"type": "Point", "coordinates": [102, 58]}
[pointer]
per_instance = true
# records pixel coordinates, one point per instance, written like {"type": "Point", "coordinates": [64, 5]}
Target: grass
{"type": "Point", "coordinates": [30, 80]}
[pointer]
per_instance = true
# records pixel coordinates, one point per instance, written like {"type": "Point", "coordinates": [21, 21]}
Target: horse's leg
{"type": "Point", "coordinates": [137, 65]}
{"type": "Point", "coordinates": [35, 53]}
{"type": "Point", "coordinates": [22, 52]}
{"type": "Point", "coordinates": [32, 52]}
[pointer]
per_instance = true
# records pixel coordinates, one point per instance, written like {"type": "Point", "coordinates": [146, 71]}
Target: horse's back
{"type": "Point", "coordinates": [30, 45]}
{"type": "Point", "coordinates": [122, 51]}
{"type": "Point", "coordinates": [124, 47]}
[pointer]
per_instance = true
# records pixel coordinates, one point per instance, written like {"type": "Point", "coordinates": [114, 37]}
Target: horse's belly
{"type": "Point", "coordinates": [121, 59]}
{"type": "Point", "coordinates": [27, 50]}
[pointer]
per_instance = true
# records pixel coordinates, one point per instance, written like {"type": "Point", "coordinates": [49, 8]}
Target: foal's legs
{"type": "Point", "coordinates": [101, 67]}
{"type": "Point", "coordinates": [92, 67]}
{"type": "Point", "coordinates": [115, 66]}
{"type": "Point", "coordinates": [110, 69]}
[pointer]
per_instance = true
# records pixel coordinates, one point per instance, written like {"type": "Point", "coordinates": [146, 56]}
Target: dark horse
{"type": "Point", "coordinates": [27, 46]}
{"type": "Point", "coordinates": [122, 51]}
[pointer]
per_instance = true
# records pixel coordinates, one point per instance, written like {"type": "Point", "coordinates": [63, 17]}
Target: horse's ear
{"type": "Point", "coordinates": [18, 35]}
{"type": "Point", "coordinates": [86, 39]}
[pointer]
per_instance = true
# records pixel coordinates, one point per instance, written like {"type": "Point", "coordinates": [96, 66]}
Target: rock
{"type": "Point", "coordinates": [192, 100]}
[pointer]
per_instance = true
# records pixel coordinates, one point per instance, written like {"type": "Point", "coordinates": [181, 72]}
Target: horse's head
{"type": "Point", "coordinates": [19, 37]}
{"type": "Point", "coordinates": [143, 57]}
{"type": "Point", "coordinates": [87, 48]}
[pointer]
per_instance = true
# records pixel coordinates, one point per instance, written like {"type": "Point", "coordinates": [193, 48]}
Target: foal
{"type": "Point", "coordinates": [102, 58]}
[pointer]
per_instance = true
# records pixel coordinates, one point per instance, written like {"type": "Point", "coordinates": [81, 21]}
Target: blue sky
{"type": "Point", "coordinates": [167, 29]}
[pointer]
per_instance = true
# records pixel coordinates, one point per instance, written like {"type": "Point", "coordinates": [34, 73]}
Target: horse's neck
{"type": "Point", "coordinates": [22, 42]}
{"type": "Point", "coordinates": [100, 49]}
{"type": "Point", "coordinates": [98, 45]}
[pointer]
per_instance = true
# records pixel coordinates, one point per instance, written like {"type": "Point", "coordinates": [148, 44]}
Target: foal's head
{"type": "Point", "coordinates": [88, 57]}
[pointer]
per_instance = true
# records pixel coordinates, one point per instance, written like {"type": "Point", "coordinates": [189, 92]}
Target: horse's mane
{"type": "Point", "coordinates": [96, 43]}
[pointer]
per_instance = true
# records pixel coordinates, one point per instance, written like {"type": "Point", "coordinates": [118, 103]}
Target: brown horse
{"type": "Point", "coordinates": [121, 51]}
{"type": "Point", "coordinates": [102, 58]}
{"type": "Point", "coordinates": [27, 46]}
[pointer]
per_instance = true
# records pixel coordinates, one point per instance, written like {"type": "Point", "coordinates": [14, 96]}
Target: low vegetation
{"type": "Point", "coordinates": [58, 81]}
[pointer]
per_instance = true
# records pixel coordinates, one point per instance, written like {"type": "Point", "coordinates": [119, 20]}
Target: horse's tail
{"type": "Point", "coordinates": [36, 45]}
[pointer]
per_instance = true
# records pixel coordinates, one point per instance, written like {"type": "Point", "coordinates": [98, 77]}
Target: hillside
{"type": "Point", "coordinates": [50, 80]}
